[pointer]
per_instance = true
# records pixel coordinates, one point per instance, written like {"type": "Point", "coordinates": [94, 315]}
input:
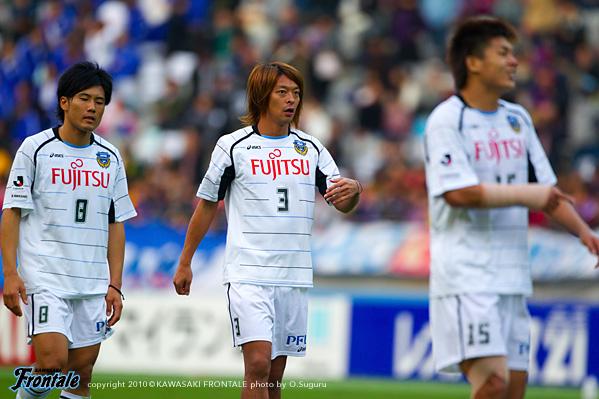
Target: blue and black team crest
{"type": "Point", "coordinates": [103, 159]}
{"type": "Point", "coordinates": [300, 147]}
{"type": "Point", "coordinates": [513, 123]}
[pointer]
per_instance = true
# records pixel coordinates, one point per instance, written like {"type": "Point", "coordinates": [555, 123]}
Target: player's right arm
{"type": "Point", "coordinates": [198, 226]}
{"type": "Point", "coordinates": [489, 195]}
{"type": "Point", "coordinates": [9, 240]}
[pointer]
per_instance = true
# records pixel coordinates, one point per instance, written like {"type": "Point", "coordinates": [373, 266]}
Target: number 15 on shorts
{"type": "Point", "coordinates": [478, 334]}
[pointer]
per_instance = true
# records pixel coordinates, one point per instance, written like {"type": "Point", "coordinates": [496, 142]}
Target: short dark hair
{"type": "Point", "coordinates": [262, 82]}
{"type": "Point", "coordinates": [79, 77]}
{"type": "Point", "coordinates": [471, 37]}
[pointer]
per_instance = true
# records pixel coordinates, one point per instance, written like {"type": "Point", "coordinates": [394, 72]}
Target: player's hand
{"type": "Point", "coordinates": [342, 189]}
{"type": "Point", "coordinates": [13, 288]}
{"type": "Point", "coordinates": [591, 241]}
{"type": "Point", "coordinates": [555, 197]}
{"type": "Point", "coordinates": [182, 279]}
{"type": "Point", "coordinates": [114, 306]}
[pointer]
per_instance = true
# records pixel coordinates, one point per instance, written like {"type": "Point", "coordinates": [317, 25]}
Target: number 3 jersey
{"type": "Point", "coordinates": [269, 186]}
{"type": "Point", "coordinates": [67, 196]}
{"type": "Point", "coordinates": [480, 249]}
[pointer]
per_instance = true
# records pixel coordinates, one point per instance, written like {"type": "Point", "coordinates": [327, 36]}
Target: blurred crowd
{"type": "Point", "coordinates": [374, 70]}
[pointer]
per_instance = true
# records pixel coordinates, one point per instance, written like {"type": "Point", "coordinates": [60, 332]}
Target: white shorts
{"type": "Point", "coordinates": [82, 321]}
{"type": "Point", "coordinates": [275, 314]}
{"type": "Point", "coordinates": [475, 325]}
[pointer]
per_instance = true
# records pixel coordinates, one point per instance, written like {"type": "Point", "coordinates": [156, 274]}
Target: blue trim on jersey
{"type": "Point", "coordinates": [103, 196]}
{"type": "Point", "coordinates": [272, 283]}
{"type": "Point", "coordinates": [274, 137]}
{"type": "Point", "coordinates": [53, 192]}
{"type": "Point", "coordinates": [276, 250]}
{"type": "Point", "coordinates": [485, 112]}
{"type": "Point", "coordinates": [74, 227]}
{"type": "Point", "coordinates": [257, 183]}
{"type": "Point", "coordinates": [81, 277]}
{"type": "Point", "coordinates": [216, 166]}
{"type": "Point", "coordinates": [307, 184]}
{"type": "Point", "coordinates": [327, 164]}
{"type": "Point", "coordinates": [72, 260]}
{"type": "Point", "coordinates": [123, 214]}
{"type": "Point", "coordinates": [277, 216]}
{"type": "Point", "coordinates": [77, 146]}
{"type": "Point", "coordinates": [71, 292]}
{"type": "Point", "coordinates": [207, 195]}
{"type": "Point", "coordinates": [18, 203]}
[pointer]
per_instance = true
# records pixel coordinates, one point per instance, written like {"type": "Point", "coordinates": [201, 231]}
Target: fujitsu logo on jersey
{"type": "Point", "coordinates": [77, 177]}
{"type": "Point", "coordinates": [495, 149]}
{"type": "Point", "coordinates": [277, 167]}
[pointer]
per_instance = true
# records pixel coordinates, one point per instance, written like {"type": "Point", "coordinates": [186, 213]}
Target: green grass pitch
{"type": "Point", "coordinates": [124, 386]}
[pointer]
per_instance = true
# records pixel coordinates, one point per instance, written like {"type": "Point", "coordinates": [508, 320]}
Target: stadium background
{"type": "Point", "coordinates": [373, 71]}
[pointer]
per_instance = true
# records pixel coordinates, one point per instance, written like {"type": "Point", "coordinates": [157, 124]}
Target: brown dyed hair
{"type": "Point", "coordinates": [262, 82]}
{"type": "Point", "coordinates": [471, 37]}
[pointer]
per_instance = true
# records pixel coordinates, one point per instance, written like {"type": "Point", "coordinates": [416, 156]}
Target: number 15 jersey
{"type": "Point", "coordinates": [269, 186]}
{"type": "Point", "coordinates": [67, 195]}
{"type": "Point", "coordinates": [480, 249]}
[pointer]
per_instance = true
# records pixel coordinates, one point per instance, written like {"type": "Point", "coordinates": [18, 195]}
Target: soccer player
{"type": "Point", "coordinates": [267, 173]}
{"type": "Point", "coordinates": [477, 149]}
{"type": "Point", "coordinates": [62, 219]}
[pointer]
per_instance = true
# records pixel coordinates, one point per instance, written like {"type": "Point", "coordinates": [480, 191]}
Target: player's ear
{"type": "Point", "coordinates": [473, 64]}
{"type": "Point", "coordinates": [64, 103]}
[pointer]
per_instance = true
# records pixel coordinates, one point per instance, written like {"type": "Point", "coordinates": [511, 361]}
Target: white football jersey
{"type": "Point", "coordinates": [480, 249]}
{"type": "Point", "coordinates": [269, 186]}
{"type": "Point", "coordinates": [67, 195]}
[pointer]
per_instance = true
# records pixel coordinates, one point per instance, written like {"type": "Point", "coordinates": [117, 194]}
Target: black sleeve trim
{"type": "Point", "coordinates": [35, 158]}
{"type": "Point", "coordinates": [233, 146]}
{"type": "Point", "coordinates": [532, 175]}
{"type": "Point", "coordinates": [39, 148]}
{"type": "Point", "coordinates": [321, 182]}
{"type": "Point", "coordinates": [225, 181]}
{"type": "Point", "coordinates": [111, 216]}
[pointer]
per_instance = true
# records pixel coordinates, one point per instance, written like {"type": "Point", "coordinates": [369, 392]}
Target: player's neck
{"type": "Point", "coordinates": [71, 135]}
{"type": "Point", "coordinates": [268, 127]}
{"type": "Point", "coordinates": [479, 97]}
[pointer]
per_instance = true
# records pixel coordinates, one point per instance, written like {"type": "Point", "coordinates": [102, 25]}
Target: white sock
{"type": "Point", "coordinates": [32, 393]}
{"type": "Point", "coordinates": [68, 395]}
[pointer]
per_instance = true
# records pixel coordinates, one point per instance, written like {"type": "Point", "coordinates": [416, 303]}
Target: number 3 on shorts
{"type": "Point", "coordinates": [236, 322]}
{"type": "Point", "coordinates": [43, 314]}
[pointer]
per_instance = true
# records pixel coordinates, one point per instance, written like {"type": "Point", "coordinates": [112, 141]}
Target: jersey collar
{"type": "Point", "coordinates": [255, 129]}
{"type": "Point", "coordinates": [57, 135]}
{"type": "Point", "coordinates": [459, 96]}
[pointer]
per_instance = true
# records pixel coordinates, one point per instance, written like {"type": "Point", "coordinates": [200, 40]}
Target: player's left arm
{"type": "Point", "coordinates": [565, 215]}
{"type": "Point", "coordinates": [116, 257]}
{"type": "Point", "coordinates": [344, 194]}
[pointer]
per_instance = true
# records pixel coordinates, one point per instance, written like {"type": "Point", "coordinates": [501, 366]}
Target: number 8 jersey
{"type": "Point", "coordinates": [67, 195]}
{"type": "Point", "coordinates": [269, 185]}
